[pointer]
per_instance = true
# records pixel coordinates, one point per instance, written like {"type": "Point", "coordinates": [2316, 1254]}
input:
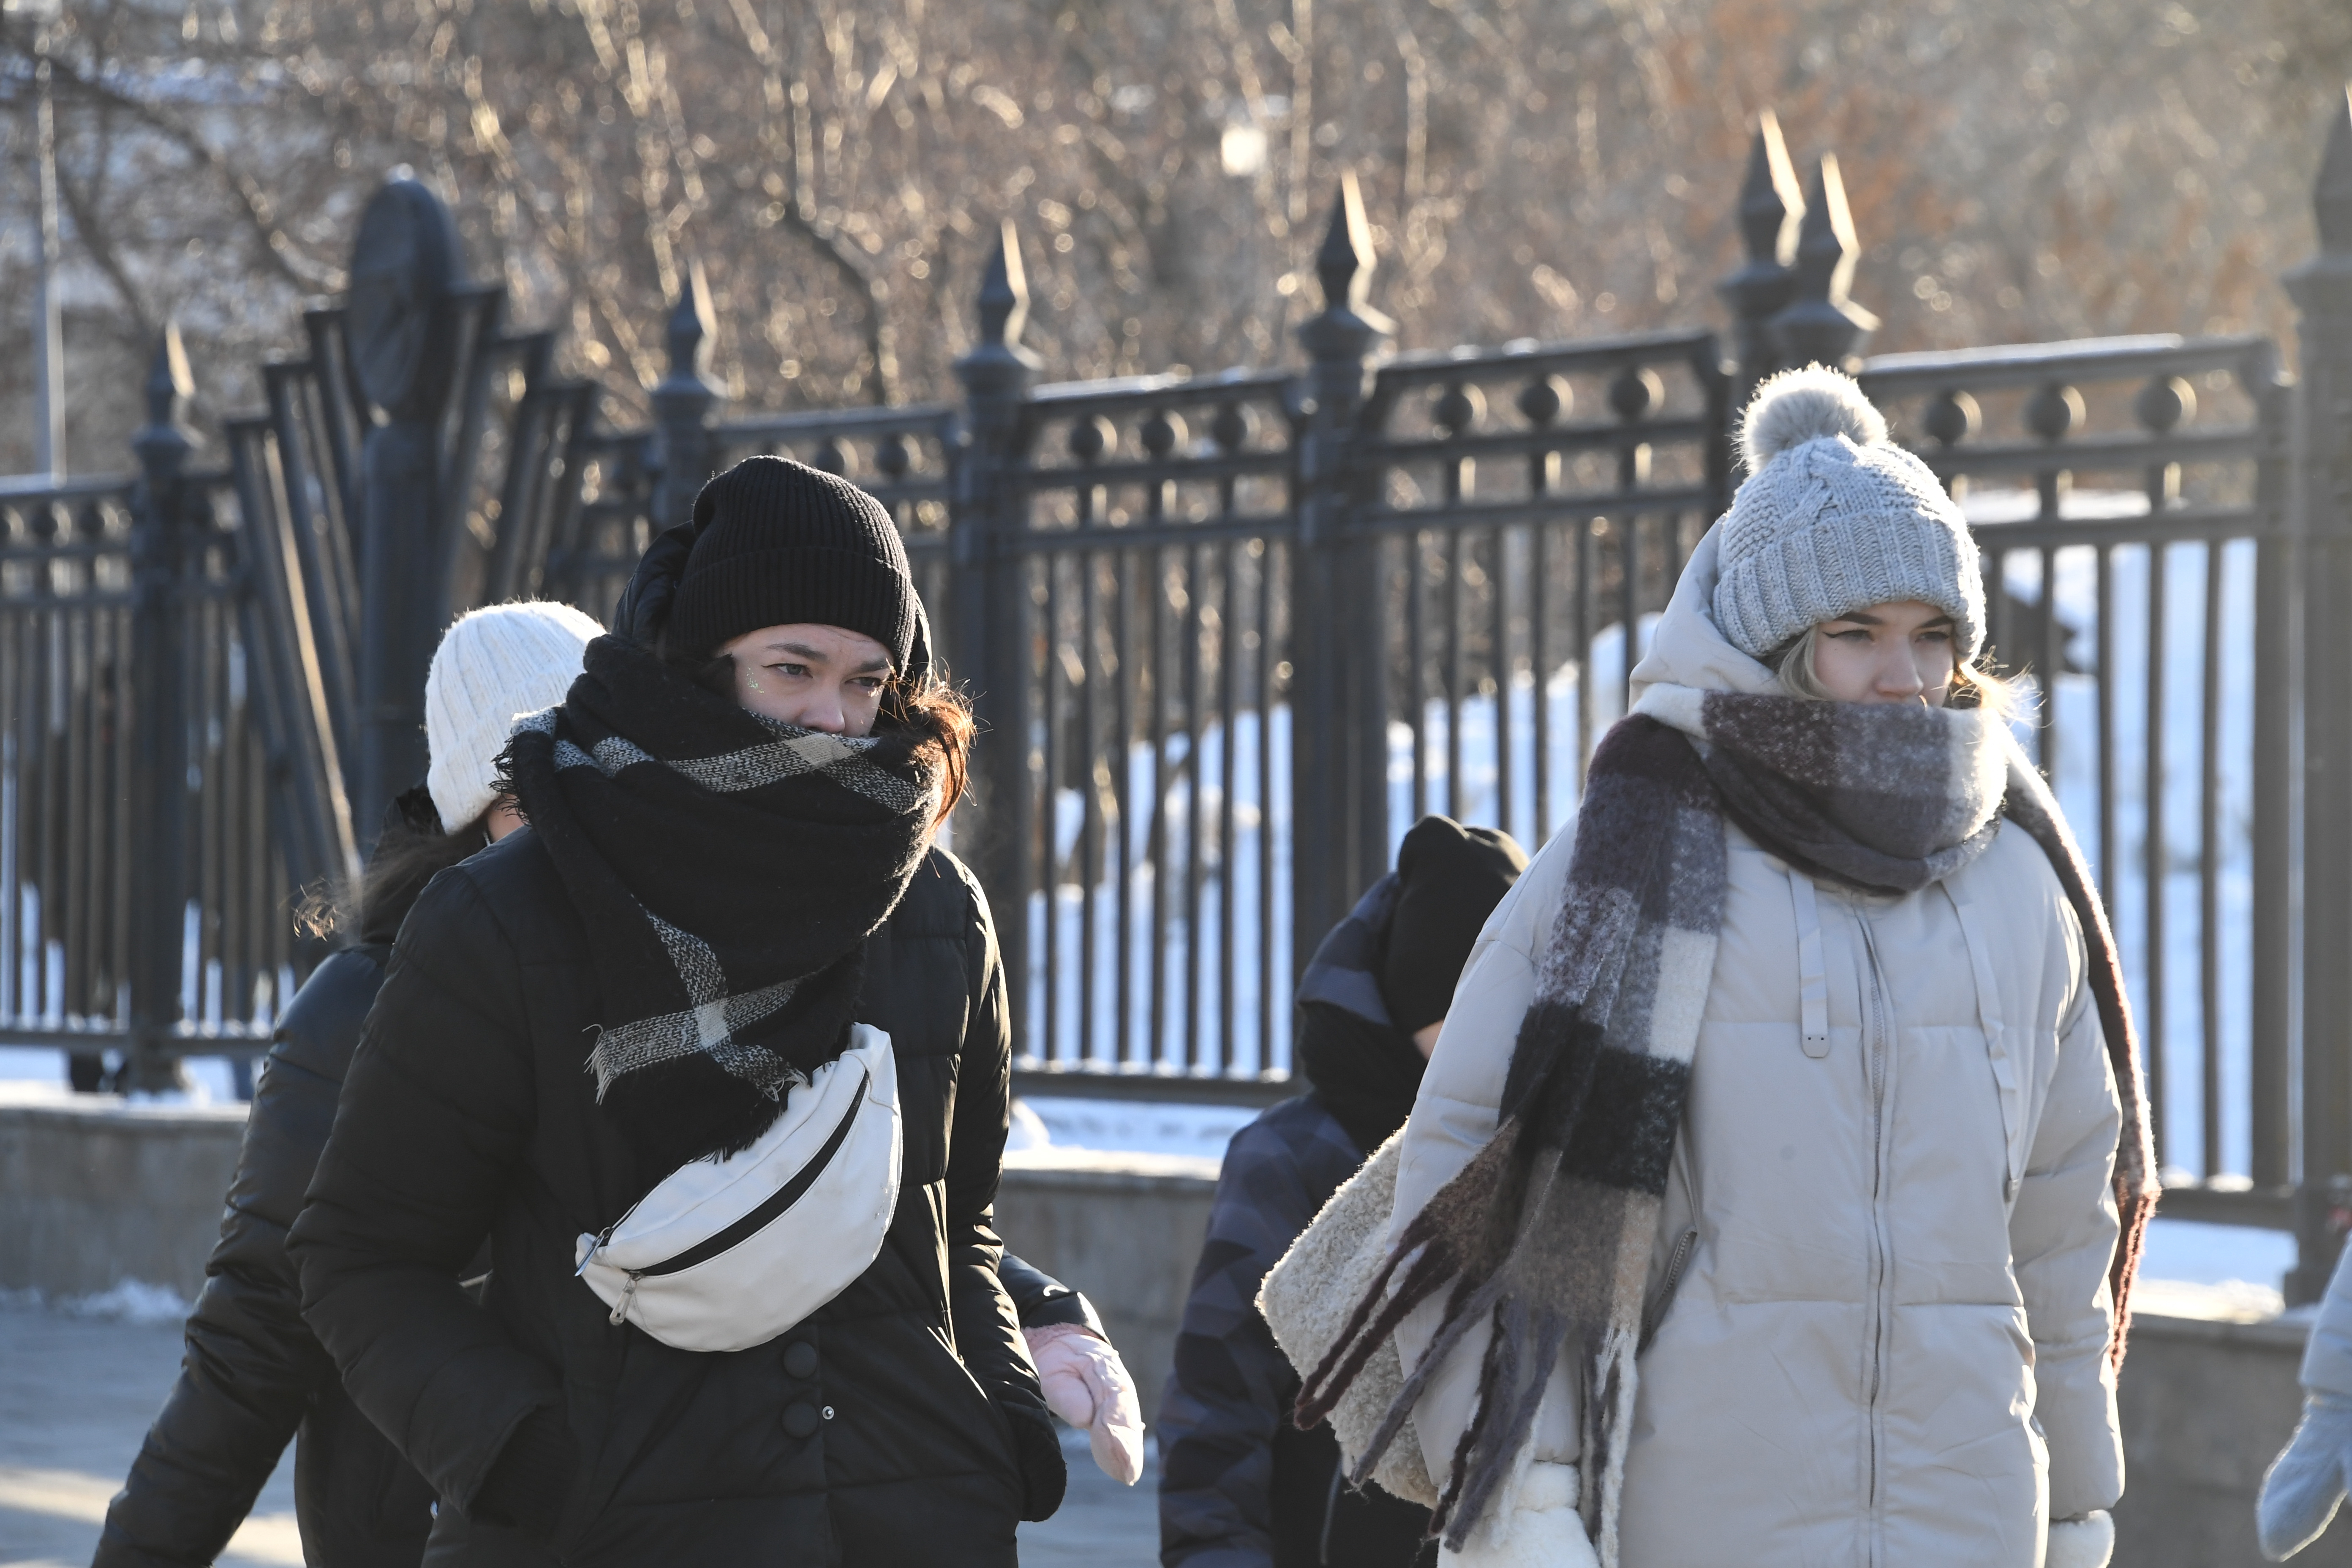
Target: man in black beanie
{"type": "Point", "coordinates": [728, 867]}
{"type": "Point", "coordinates": [1240, 1485]}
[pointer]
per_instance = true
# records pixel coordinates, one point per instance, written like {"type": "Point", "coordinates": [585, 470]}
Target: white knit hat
{"type": "Point", "coordinates": [493, 665]}
{"type": "Point", "coordinates": [1835, 517]}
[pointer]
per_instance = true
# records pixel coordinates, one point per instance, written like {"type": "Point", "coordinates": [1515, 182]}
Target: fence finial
{"type": "Point", "coordinates": [1345, 263]}
{"type": "Point", "coordinates": [1772, 203]}
{"type": "Point", "coordinates": [690, 326]}
{"type": "Point", "coordinates": [162, 444]}
{"type": "Point", "coordinates": [169, 382]}
{"type": "Point", "coordinates": [1771, 207]}
{"type": "Point", "coordinates": [1822, 325]}
{"type": "Point", "coordinates": [682, 404]}
{"type": "Point", "coordinates": [2332, 194]}
{"type": "Point", "coordinates": [1004, 292]}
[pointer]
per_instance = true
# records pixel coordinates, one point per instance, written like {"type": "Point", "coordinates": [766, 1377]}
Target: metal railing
{"type": "Point", "coordinates": [1229, 635]}
{"type": "Point", "coordinates": [2130, 496]}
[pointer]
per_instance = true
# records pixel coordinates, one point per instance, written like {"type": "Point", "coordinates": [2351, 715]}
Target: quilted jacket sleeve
{"type": "Point", "coordinates": [2062, 1238]}
{"type": "Point", "coordinates": [252, 1364]}
{"type": "Point", "coordinates": [434, 1121]}
{"type": "Point", "coordinates": [1233, 1389]}
{"type": "Point", "coordinates": [1043, 1301]}
{"type": "Point", "coordinates": [987, 1328]}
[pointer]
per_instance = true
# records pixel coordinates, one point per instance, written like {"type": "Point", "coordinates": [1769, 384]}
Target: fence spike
{"type": "Point", "coordinates": [2332, 192]}
{"type": "Point", "coordinates": [1822, 325]}
{"type": "Point", "coordinates": [1004, 292]}
{"type": "Point", "coordinates": [1772, 203]}
{"type": "Point", "coordinates": [1345, 262]}
{"type": "Point", "coordinates": [170, 382]}
{"type": "Point", "coordinates": [1825, 245]}
{"type": "Point", "coordinates": [1771, 210]}
{"type": "Point", "coordinates": [691, 325]}
{"type": "Point", "coordinates": [161, 443]}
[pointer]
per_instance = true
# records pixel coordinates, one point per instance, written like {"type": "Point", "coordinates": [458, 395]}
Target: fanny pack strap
{"type": "Point", "coordinates": [876, 992]}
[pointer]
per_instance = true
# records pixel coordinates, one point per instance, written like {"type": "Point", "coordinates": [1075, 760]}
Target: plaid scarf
{"type": "Point", "coordinates": [1547, 1232]}
{"type": "Point", "coordinates": [727, 870]}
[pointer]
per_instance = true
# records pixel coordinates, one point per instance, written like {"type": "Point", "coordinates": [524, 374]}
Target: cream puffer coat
{"type": "Point", "coordinates": [1871, 1346]}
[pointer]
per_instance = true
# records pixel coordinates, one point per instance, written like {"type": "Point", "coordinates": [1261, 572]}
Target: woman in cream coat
{"type": "Point", "coordinates": [1878, 1317]}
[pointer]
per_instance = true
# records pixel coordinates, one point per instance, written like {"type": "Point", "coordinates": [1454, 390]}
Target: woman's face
{"type": "Point", "coordinates": [817, 676]}
{"type": "Point", "coordinates": [1899, 652]}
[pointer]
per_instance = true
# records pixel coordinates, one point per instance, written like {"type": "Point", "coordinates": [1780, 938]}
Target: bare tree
{"type": "Point", "coordinates": [2019, 169]}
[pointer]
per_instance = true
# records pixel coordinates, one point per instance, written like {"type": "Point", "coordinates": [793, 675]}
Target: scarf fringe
{"type": "Point", "coordinates": [1643, 863]}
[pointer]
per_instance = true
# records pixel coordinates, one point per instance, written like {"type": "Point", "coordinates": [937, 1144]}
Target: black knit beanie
{"type": "Point", "coordinates": [777, 542]}
{"type": "Point", "coordinates": [1449, 879]}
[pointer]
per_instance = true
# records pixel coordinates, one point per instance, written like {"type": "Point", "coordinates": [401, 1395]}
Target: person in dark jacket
{"type": "Point", "coordinates": [726, 864]}
{"type": "Point", "coordinates": [254, 1375]}
{"type": "Point", "coordinates": [1241, 1487]}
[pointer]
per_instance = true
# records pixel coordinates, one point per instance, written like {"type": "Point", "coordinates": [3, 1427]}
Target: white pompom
{"type": "Point", "coordinates": [1801, 406]}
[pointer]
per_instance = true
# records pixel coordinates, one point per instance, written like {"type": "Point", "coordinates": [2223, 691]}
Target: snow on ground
{"type": "Point", "coordinates": [1142, 1127]}
{"type": "Point", "coordinates": [2206, 1254]}
{"type": "Point", "coordinates": [211, 1080]}
{"type": "Point", "coordinates": [1190, 1011]}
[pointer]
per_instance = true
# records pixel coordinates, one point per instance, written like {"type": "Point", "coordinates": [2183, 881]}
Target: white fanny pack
{"type": "Point", "coordinates": [725, 1255]}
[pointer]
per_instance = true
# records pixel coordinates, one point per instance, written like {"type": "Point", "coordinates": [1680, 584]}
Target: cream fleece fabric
{"type": "Point", "coordinates": [1306, 1300]}
{"type": "Point", "coordinates": [1871, 1355]}
{"type": "Point", "coordinates": [1546, 1530]}
{"type": "Point", "coordinates": [493, 665]}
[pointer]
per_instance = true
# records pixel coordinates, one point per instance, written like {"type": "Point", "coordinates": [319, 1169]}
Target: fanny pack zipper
{"type": "Point", "coordinates": [742, 1230]}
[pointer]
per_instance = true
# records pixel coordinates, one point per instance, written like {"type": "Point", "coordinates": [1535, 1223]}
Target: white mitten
{"type": "Point", "coordinates": [2307, 1482]}
{"type": "Point", "coordinates": [1087, 1385]}
{"type": "Point", "coordinates": [1543, 1530]}
{"type": "Point", "coordinates": [2086, 1542]}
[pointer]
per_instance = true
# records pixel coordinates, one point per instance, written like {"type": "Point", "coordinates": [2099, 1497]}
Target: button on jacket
{"type": "Point", "coordinates": [916, 1431]}
{"type": "Point", "coordinates": [1869, 1348]}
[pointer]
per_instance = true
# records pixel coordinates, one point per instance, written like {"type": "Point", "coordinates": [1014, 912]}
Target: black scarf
{"type": "Point", "coordinates": [728, 870]}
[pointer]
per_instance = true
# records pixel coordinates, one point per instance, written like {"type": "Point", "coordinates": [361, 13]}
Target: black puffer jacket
{"type": "Point", "coordinates": [902, 1423]}
{"type": "Point", "coordinates": [254, 1372]}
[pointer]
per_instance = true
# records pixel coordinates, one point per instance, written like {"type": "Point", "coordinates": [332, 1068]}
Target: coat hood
{"type": "Point", "coordinates": [1687, 648]}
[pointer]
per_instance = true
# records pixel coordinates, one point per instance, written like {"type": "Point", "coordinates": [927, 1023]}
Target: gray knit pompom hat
{"type": "Point", "coordinates": [1833, 518]}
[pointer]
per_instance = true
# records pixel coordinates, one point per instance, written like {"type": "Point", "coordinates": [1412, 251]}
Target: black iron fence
{"type": "Point", "coordinates": [1230, 636]}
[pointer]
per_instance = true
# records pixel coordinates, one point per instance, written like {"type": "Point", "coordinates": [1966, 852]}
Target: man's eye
{"type": "Point", "coordinates": [1937, 634]}
{"type": "Point", "coordinates": [869, 683]}
{"type": "Point", "coordinates": [792, 669]}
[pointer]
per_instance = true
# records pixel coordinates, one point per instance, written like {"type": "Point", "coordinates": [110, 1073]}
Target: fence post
{"type": "Point", "coordinates": [989, 617]}
{"type": "Point", "coordinates": [682, 404]}
{"type": "Point", "coordinates": [160, 665]}
{"type": "Point", "coordinates": [2278, 678]}
{"type": "Point", "coordinates": [406, 264]}
{"type": "Point", "coordinates": [1821, 325]}
{"type": "Point", "coordinates": [2321, 492]}
{"type": "Point", "coordinates": [1771, 209]}
{"type": "Point", "coordinates": [1339, 798]}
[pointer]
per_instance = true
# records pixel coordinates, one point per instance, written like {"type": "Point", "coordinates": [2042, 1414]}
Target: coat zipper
{"type": "Point", "coordinates": [1677, 1261]}
{"type": "Point", "coordinates": [1654, 1313]}
{"type": "Point", "coordinates": [1879, 1271]}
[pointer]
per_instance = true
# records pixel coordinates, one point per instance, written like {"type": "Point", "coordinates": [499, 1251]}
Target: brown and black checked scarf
{"type": "Point", "coordinates": [728, 872]}
{"type": "Point", "coordinates": [1547, 1232]}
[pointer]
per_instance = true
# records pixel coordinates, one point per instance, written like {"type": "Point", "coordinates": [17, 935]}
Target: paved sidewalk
{"type": "Point", "coordinates": [77, 1393]}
